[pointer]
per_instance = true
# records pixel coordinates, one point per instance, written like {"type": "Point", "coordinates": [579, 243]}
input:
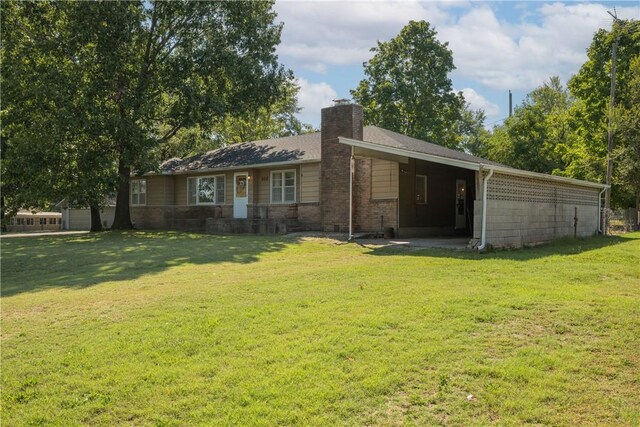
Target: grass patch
{"type": "Point", "coordinates": [175, 328]}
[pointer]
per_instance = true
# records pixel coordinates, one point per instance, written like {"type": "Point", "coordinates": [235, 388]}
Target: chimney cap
{"type": "Point", "coordinates": [341, 101]}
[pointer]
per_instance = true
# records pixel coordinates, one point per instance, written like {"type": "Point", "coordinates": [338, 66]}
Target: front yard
{"type": "Point", "coordinates": [174, 328]}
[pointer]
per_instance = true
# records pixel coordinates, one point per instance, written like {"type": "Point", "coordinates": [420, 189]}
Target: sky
{"type": "Point", "coordinates": [497, 46]}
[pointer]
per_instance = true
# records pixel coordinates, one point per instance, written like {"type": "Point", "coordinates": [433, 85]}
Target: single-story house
{"type": "Point", "coordinates": [34, 221]}
{"type": "Point", "coordinates": [356, 179]}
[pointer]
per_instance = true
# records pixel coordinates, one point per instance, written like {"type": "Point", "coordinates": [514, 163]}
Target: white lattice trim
{"type": "Point", "coordinates": [522, 189]}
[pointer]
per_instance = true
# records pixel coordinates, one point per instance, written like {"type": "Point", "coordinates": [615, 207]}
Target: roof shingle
{"type": "Point", "coordinates": [303, 148]}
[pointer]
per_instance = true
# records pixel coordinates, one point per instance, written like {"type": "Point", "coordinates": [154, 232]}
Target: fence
{"type": "Point", "coordinates": [624, 220]}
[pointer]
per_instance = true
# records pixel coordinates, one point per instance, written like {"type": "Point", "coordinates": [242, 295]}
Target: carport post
{"type": "Point", "coordinates": [351, 170]}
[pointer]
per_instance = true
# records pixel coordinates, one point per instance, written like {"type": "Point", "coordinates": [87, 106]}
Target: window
{"type": "Point", "coordinates": [52, 221]}
{"type": "Point", "coordinates": [13, 221]}
{"type": "Point", "coordinates": [206, 190]}
{"type": "Point", "coordinates": [283, 186]}
{"type": "Point", "coordinates": [30, 221]}
{"type": "Point", "coordinates": [138, 192]}
{"type": "Point", "coordinates": [43, 221]}
{"type": "Point", "coordinates": [421, 189]}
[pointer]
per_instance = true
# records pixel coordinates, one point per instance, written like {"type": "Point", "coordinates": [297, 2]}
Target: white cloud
{"type": "Point", "coordinates": [502, 55]}
{"type": "Point", "coordinates": [477, 101]}
{"type": "Point", "coordinates": [341, 32]}
{"type": "Point", "coordinates": [313, 97]}
{"type": "Point", "coordinates": [549, 38]}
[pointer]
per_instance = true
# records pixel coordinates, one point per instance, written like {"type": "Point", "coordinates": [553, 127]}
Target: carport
{"type": "Point", "coordinates": [436, 194]}
{"type": "Point", "coordinates": [443, 192]}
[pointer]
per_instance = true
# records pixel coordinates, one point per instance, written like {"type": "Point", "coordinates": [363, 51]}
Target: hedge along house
{"type": "Point", "coordinates": [360, 179]}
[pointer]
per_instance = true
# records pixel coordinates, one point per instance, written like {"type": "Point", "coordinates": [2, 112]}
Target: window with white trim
{"type": "Point", "coordinates": [206, 190]}
{"type": "Point", "coordinates": [283, 186]}
{"type": "Point", "coordinates": [138, 192]}
{"type": "Point", "coordinates": [421, 189]}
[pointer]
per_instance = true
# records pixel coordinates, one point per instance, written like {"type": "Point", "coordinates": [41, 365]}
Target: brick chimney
{"type": "Point", "coordinates": [340, 120]}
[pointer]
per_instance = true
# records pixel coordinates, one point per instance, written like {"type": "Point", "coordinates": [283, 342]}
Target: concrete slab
{"type": "Point", "coordinates": [457, 243]}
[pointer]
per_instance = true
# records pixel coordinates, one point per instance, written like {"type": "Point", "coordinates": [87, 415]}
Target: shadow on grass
{"type": "Point", "coordinates": [564, 246]}
{"type": "Point", "coordinates": [36, 263]}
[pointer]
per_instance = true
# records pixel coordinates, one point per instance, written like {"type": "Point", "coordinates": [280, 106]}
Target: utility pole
{"type": "Point", "coordinates": [610, 141]}
{"type": "Point", "coordinates": [510, 103]}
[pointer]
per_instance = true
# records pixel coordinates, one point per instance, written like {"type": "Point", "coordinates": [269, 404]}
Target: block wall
{"type": "Point", "coordinates": [525, 211]}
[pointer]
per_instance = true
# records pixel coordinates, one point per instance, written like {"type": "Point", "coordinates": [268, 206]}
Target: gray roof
{"type": "Point", "coordinates": [303, 148]}
{"type": "Point", "coordinates": [294, 149]}
{"type": "Point", "coordinates": [389, 138]}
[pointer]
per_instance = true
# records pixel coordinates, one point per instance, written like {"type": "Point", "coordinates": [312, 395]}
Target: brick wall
{"type": "Point", "coordinates": [188, 218]}
{"type": "Point", "coordinates": [345, 121]}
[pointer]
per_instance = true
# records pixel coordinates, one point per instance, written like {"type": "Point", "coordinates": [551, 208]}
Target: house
{"type": "Point", "coordinates": [79, 218]}
{"type": "Point", "coordinates": [35, 221]}
{"type": "Point", "coordinates": [353, 179]}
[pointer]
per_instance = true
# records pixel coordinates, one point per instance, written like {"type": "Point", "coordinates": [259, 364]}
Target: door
{"type": "Point", "coordinates": [240, 194]}
{"type": "Point", "coordinates": [461, 203]}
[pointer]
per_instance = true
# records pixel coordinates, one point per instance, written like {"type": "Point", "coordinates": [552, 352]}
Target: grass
{"type": "Point", "coordinates": [179, 329]}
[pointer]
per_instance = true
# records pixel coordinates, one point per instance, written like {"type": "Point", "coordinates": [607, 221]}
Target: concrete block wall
{"type": "Point", "coordinates": [541, 212]}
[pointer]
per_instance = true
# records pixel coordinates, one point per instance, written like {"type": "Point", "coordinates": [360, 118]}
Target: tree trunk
{"type": "Point", "coordinates": [3, 225]}
{"type": "Point", "coordinates": [122, 218]}
{"type": "Point", "coordinates": [96, 221]}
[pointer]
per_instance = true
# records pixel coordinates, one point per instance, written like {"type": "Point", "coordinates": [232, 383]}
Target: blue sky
{"type": "Point", "coordinates": [497, 46]}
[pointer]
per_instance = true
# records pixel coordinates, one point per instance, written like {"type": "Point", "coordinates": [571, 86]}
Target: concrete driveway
{"type": "Point", "coordinates": [42, 233]}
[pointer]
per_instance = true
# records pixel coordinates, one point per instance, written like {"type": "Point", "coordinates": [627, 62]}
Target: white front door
{"type": "Point", "coordinates": [240, 194]}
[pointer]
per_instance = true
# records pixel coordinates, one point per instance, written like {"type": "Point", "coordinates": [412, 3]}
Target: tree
{"type": "Point", "coordinates": [272, 121]}
{"type": "Point", "coordinates": [535, 136]}
{"type": "Point", "coordinates": [51, 148]}
{"type": "Point", "coordinates": [473, 135]}
{"type": "Point", "coordinates": [145, 70]}
{"type": "Point", "coordinates": [407, 88]}
{"type": "Point", "coordinates": [591, 86]}
{"type": "Point", "coordinates": [627, 152]}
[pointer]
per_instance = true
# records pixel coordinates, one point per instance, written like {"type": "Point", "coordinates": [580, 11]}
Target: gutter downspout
{"type": "Point", "coordinates": [483, 237]}
{"type": "Point", "coordinates": [600, 216]}
{"type": "Point", "coordinates": [351, 168]}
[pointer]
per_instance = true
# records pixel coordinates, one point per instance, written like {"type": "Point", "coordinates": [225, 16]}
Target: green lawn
{"type": "Point", "coordinates": [180, 329]}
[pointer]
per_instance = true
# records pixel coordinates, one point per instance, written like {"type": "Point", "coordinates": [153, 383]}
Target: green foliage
{"type": "Point", "coordinates": [564, 131]}
{"type": "Point", "coordinates": [139, 72]}
{"type": "Point", "coordinates": [187, 329]}
{"type": "Point", "coordinates": [52, 147]}
{"type": "Point", "coordinates": [407, 88]}
{"type": "Point", "coordinates": [592, 87]}
{"type": "Point", "coordinates": [627, 152]}
{"type": "Point", "coordinates": [534, 137]}
{"type": "Point", "coordinates": [272, 121]}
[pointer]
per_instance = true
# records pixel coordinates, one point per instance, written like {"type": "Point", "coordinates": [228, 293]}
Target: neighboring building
{"type": "Point", "coordinates": [355, 179]}
{"type": "Point", "coordinates": [79, 218]}
{"type": "Point", "coordinates": [35, 221]}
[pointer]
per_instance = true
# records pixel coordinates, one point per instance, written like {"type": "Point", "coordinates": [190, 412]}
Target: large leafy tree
{"type": "Point", "coordinates": [272, 121]}
{"type": "Point", "coordinates": [591, 86]}
{"type": "Point", "coordinates": [52, 142]}
{"type": "Point", "coordinates": [407, 88]}
{"type": "Point", "coordinates": [627, 153]}
{"type": "Point", "coordinates": [535, 136]}
{"type": "Point", "coordinates": [147, 70]}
